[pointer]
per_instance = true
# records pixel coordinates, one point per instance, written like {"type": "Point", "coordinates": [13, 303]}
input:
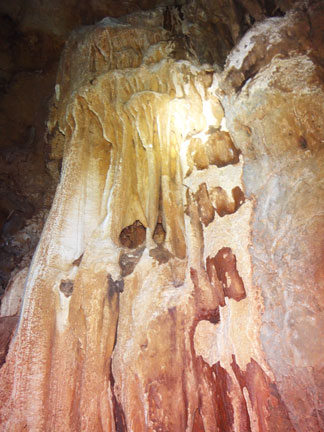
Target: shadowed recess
{"type": "Point", "coordinates": [225, 266]}
{"type": "Point", "coordinates": [133, 235]}
{"type": "Point", "coordinates": [223, 204]}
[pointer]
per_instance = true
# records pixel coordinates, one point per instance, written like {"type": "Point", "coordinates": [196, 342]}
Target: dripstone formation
{"type": "Point", "coordinates": [178, 282]}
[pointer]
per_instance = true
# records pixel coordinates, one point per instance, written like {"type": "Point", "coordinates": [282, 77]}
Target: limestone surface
{"type": "Point", "coordinates": [177, 285]}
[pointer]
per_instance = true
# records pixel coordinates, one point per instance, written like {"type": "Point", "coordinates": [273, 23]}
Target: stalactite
{"type": "Point", "coordinates": [146, 306]}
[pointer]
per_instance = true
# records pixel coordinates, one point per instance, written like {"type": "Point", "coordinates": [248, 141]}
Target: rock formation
{"type": "Point", "coordinates": [178, 282]}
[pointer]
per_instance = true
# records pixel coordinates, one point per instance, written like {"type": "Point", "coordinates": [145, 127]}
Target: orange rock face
{"type": "Point", "coordinates": [175, 287]}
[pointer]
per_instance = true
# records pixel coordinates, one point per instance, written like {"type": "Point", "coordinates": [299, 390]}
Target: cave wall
{"type": "Point", "coordinates": [283, 144]}
{"type": "Point", "coordinates": [33, 34]}
{"type": "Point", "coordinates": [177, 285]}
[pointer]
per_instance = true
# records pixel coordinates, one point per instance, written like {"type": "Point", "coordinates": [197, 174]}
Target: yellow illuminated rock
{"type": "Point", "coordinates": [155, 288]}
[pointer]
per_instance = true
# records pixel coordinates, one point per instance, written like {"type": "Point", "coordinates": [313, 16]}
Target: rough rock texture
{"type": "Point", "coordinates": [274, 97]}
{"type": "Point", "coordinates": [178, 282]}
{"type": "Point", "coordinates": [32, 35]}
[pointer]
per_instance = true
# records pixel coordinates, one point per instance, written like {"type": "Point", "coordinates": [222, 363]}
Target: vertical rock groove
{"type": "Point", "coordinates": [173, 260]}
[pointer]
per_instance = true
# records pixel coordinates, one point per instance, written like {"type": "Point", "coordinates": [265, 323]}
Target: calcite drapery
{"type": "Point", "coordinates": [143, 307]}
